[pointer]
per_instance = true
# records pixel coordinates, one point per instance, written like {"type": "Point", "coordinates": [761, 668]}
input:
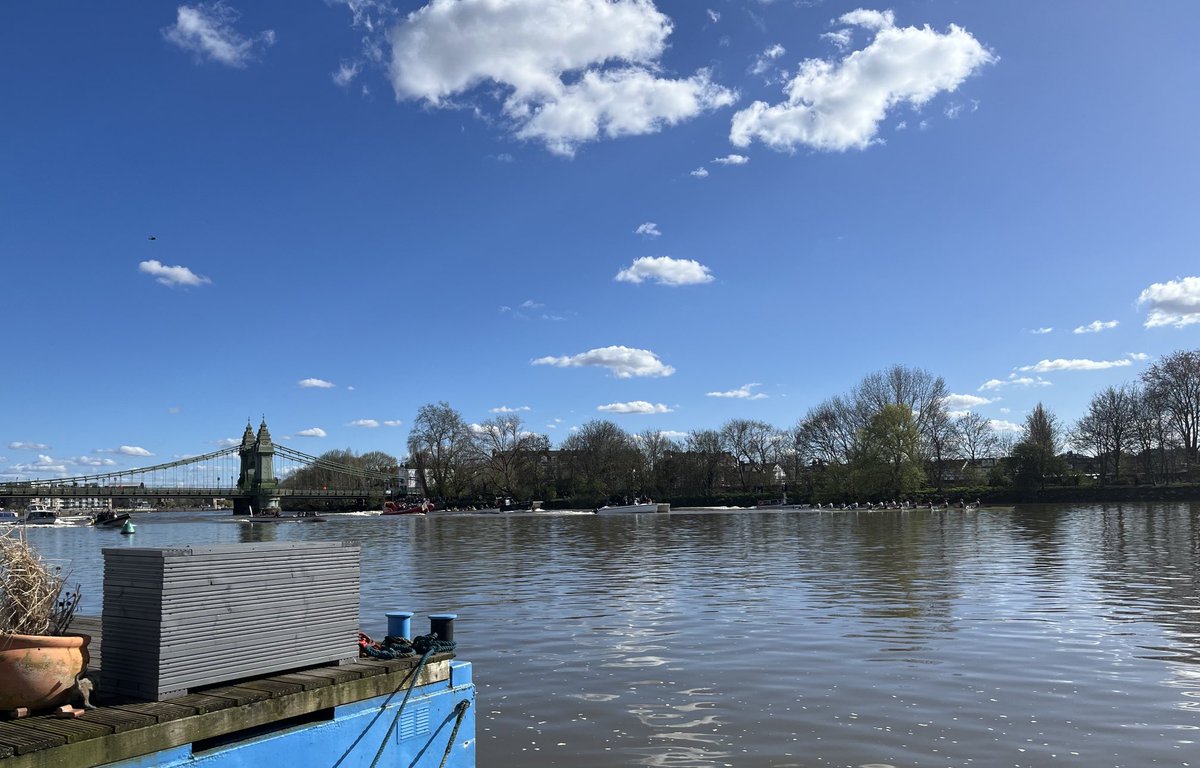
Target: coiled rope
{"type": "Point", "coordinates": [394, 647]}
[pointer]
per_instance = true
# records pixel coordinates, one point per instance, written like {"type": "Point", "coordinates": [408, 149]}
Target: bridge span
{"type": "Point", "coordinates": [246, 473]}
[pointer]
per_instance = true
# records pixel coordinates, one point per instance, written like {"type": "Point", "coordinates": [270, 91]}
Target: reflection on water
{"type": "Point", "coordinates": [1035, 636]}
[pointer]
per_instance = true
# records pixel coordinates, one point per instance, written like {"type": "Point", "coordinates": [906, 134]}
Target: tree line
{"type": "Point", "coordinates": [891, 436]}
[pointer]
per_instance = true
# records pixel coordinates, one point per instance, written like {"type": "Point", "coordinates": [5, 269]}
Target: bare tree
{"type": "Point", "coordinates": [753, 445]}
{"type": "Point", "coordinates": [976, 437]}
{"type": "Point", "coordinates": [1174, 384]}
{"type": "Point", "coordinates": [1107, 428]}
{"type": "Point", "coordinates": [603, 459]}
{"type": "Point", "coordinates": [914, 388]}
{"type": "Point", "coordinates": [705, 458]}
{"type": "Point", "coordinates": [654, 448]}
{"type": "Point", "coordinates": [440, 446]}
{"type": "Point", "coordinates": [509, 454]}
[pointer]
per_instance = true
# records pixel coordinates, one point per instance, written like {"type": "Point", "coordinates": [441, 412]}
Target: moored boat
{"type": "Point", "coordinates": [8, 517]}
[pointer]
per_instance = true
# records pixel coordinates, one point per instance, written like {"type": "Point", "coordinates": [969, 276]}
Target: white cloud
{"type": "Point", "coordinates": [531, 304]}
{"type": "Point", "coordinates": [838, 105]}
{"type": "Point", "coordinates": [713, 16]}
{"type": "Point", "coordinates": [133, 450]}
{"type": "Point", "coordinates": [392, 423]}
{"type": "Point", "coordinates": [172, 276]}
{"type": "Point", "coordinates": [634, 406]}
{"type": "Point", "coordinates": [672, 434]}
{"type": "Point", "coordinates": [1000, 425]}
{"type": "Point", "coordinates": [346, 73]}
{"type": "Point", "coordinates": [665, 270]}
{"type": "Point", "coordinates": [17, 445]}
{"type": "Point", "coordinates": [959, 402]}
{"type": "Point", "coordinates": [365, 423]}
{"type": "Point", "coordinates": [315, 384]}
{"type": "Point", "coordinates": [624, 362]}
{"type": "Point", "coordinates": [741, 393]}
{"type": "Point", "coordinates": [228, 442]}
{"type": "Point", "coordinates": [311, 432]}
{"type": "Point", "coordinates": [1041, 331]}
{"type": "Point", "coordinates": [763, 61]}
{"type": "Point", "coordinates": [700, 173]}
{"type": "Point", "coordinates": [92, 461]}
{"type": "Point", "coordinates": [649, 229]}
{"type": "Point", "coordinates": [1175, 303]}
{"type": "Point", "coordinates": [1045, 366]}
{"type": "Point", "coordinates": [1015, 381]}
{"type": "Point", "coordinates": [1096, 326]}
{"type": "Point", "coordinates": [506, 409]}
{"type": "Point", "coordinates": [731, 160]}
{"type": "Point", "coordinates": [569, 71]}
{"type": "Point", "coordinates": [206, 29]}
{"type": "Point", "coordinates": [1138, 356]}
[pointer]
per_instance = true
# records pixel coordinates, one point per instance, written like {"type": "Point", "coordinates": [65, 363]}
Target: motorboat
{"type": "Point", "coordinates": [8, 517]}
{"type": "Point", "coordinates": [623, 509]}
{"type": "Point", "coordinates": [107, 518]}
{"type": "Point", "coordinates": [505, 504]}
{"type": "Point", "coordinates": [403, 508]}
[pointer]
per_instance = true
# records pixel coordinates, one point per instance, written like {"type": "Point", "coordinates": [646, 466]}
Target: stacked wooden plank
{"type": "Point", "coordinates": [177, 619]}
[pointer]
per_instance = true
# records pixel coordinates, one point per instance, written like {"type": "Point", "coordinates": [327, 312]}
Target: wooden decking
{"type": "Point", "coordinates": [118, 730]}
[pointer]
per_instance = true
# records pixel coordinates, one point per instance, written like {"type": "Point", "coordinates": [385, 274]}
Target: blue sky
{"type": "Point", "coordinates": [565, 206]}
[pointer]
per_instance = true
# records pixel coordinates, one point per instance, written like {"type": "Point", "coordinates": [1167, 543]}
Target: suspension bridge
{"type": "Point", "coordinates": [255, 474]}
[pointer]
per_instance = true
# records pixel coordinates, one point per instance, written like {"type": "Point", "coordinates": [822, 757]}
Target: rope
{"type": "Point", "coordinates": [461, 708]}
{"type": "Point", "coordinates": [394, 647]}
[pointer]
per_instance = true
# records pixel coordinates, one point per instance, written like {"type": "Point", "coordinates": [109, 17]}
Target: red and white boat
{"type": "Point", "coordinates": [404, 508]}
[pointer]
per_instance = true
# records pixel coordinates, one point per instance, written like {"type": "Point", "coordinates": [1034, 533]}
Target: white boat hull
{"type": "Point", "coordinates": [633, 509]}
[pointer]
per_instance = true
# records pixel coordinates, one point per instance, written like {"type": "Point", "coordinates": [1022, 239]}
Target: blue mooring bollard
{"type": "Point", "coordinates": [400, 624]}
{"type": "Point", "coordinates": [442, 624]}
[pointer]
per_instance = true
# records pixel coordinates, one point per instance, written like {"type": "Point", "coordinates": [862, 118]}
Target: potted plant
{"type": "Point", "coordinates": [40, 660]}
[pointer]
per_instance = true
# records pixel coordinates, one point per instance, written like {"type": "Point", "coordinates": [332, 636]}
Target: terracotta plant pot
{"type": "Point", "coordinates": [39, 671]}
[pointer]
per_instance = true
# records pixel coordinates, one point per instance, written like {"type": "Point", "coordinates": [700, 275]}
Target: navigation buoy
{"type": "Point", "coordinates": [128, 529]}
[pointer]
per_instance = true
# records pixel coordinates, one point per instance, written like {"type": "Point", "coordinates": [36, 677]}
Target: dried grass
{"type": "Point", "coordinates": [34, 598]}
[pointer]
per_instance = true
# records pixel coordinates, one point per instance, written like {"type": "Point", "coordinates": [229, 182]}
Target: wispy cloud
{"type": "Point", "coordinates": [766, 59]}
{"type": "Point", "coordinates": [365, 423]}
{"type": "Point", "coordinates": [1174, 303]}
{"type": "Point", "coordinates": [346, 72]}
{"type": "Point", "coordinates": [206, 29]}
{"type": "Point", "coordinates": [1041, 331]}
{"type": "Point", "coordinates": [392, 423]}
{"type": "Point", "coordinates": [1014, 380]}
{"type": "Point", "coordinates": [700, 173]}
{"type": "Point", "coordinates": [648, 229]}
{"type": "Point", "coordinates": [1096, 326]}
{"type": "Point", "coordinates": [741, 393]}
{"type": "Point", "coordinates": [172, 276]}
{"type": "Point", "coordinates": [506, 409]}
{"type": "Point", "coordinates": [1060, 364]}
{"type": "Point", "coordinates": [315, 384]}
{"type": "Point", "coordinates": [665, 270]}
{"type": "Point", "coordinates": [17, 445]}
{"type": "Point", "coordinates": [634, 406]}
{"type": "Point", "coordinates": [731, 160]}
{"type": "Point", "coordinates": [623, 362]}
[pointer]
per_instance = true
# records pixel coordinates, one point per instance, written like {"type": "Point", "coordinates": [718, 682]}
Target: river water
{"type": "Point", "coordinates": [1028, 636]}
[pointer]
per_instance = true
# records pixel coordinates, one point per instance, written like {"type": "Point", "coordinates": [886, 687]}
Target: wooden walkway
{"type": "Point", "coordinates": [119, 730]}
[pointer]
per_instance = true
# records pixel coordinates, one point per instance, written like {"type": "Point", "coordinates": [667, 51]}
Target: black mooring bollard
{"type": "Point", "coordinates": [442, 624]}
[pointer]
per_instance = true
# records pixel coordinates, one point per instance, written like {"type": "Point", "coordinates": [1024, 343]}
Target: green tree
{"type": "Point", "coordinates": [887, 460]}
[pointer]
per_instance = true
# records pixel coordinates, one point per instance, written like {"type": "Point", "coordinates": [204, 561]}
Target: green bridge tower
{"type": "Point", "coordinates": [258, 491]}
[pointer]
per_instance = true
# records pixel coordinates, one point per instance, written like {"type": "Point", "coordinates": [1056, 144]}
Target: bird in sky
{"type": "Point", "coordinates": [152, 237]}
